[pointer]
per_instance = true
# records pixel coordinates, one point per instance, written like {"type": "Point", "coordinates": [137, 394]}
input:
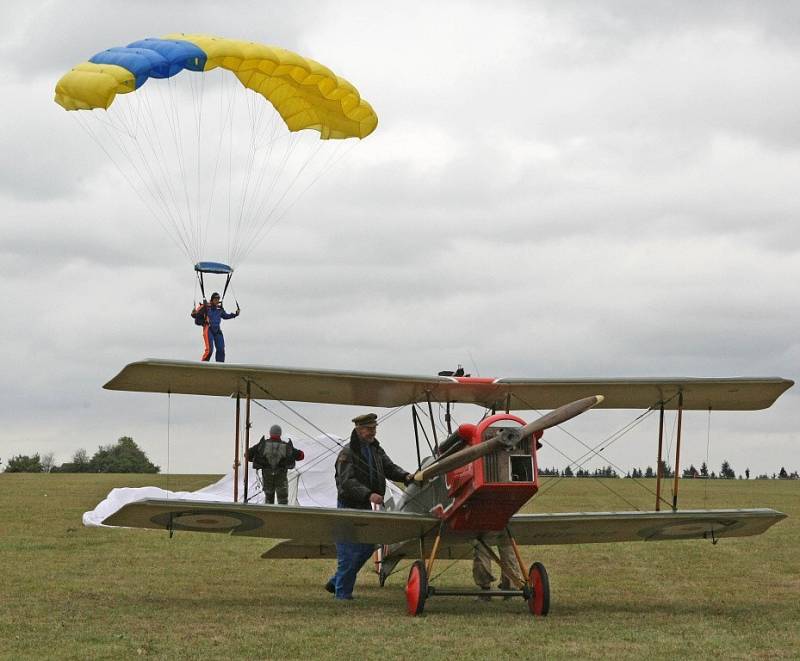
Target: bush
{"type": "Point", "coordinates": [22, 463]}
{"type": "Point", "coordinates": [123, 457]}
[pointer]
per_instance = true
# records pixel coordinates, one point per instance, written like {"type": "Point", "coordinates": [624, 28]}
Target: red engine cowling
{"type": "Point", "coordinates": [487, 492]}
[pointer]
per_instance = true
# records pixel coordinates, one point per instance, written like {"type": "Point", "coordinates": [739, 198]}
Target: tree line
{"type": "Point", "coordinates": [124, 456]}
{"type": "Point", "coordinates": [726, 472]}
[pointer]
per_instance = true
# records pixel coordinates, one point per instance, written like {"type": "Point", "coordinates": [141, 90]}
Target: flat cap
{"type": "Point", "coordinates": [366, 420]}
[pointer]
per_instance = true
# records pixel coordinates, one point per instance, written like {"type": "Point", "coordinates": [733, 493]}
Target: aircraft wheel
{"type": "Point", "coordinates": [539, 602]}
{"type": "Point", "coordinates": [416, 588]}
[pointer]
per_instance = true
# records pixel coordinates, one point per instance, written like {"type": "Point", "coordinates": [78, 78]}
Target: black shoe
{"type": "Point", "coordinates": [330, 586]}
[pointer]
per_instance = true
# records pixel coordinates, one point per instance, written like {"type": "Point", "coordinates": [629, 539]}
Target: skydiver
{"type": "Point", "coordinates": [210, 315]}
{"type": "Point", "coordinates": [274, 457]}
{"type": "Point", "coordinates": [361, 471]}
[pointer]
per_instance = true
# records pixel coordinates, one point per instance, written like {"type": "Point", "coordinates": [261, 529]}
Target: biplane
{"type": "Point", "coordinates": [469, 491]}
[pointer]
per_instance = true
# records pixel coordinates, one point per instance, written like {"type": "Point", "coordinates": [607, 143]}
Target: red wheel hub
{"type": "Point", "coordinates": [539, 602]}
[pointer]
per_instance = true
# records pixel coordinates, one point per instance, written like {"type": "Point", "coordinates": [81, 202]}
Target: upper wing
{"type": "Point", "coordinates": [308, 525]}
{"type": "Point", "coordinates": [390, 390]}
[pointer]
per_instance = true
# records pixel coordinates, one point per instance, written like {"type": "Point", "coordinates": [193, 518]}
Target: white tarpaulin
{"type": "Point", "coordinates": [311, 484]}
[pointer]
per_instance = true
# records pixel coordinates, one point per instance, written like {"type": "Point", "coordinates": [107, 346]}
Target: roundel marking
{"type": "Point", "coordinates": [207, 521]}
{"type": "Point", "coordinates": [704, 528]}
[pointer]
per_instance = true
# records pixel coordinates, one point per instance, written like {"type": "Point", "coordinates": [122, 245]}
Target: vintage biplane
{"type": "Point", "coordinates": [471, 488]}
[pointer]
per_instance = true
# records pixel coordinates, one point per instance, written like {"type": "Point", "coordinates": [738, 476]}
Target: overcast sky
{"type": "Point", "coordinates": [553, 190]}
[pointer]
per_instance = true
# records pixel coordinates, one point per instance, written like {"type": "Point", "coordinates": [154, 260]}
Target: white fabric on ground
{"type": "Point", "coordinates": [311, 484]}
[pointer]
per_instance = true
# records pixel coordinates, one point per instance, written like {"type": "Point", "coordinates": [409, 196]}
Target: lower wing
{"type": "Point", "coordinates": [584, 528]}
{"type": "Point", "coordinates": [312, 526]}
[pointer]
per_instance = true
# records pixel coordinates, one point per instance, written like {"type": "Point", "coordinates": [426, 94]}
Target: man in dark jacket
{"type": "Point", "coordinates": [274, 457]}
{"type": "Point", "coordinates": [362, 468]}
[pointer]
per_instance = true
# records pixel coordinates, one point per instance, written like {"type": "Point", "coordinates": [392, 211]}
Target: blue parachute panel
{"type": "Point", "coordinates": [179, 54]}
{"type": "Point", "coordinates": [134, 60]}
{"type": "Point", "coordinates": [154, 58]}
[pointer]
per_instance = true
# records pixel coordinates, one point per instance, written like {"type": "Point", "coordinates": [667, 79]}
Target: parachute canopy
{"type": "Point", "coordinates": [306, 94]}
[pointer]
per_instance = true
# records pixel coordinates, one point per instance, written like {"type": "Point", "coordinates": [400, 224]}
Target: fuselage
{"type": "Point", "coordinates": [483, 494]}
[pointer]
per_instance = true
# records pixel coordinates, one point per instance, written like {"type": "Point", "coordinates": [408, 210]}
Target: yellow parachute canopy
{"type": "Point", "coordinates": [306, 94]}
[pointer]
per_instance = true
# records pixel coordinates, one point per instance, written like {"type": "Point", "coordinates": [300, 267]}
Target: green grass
{"type": "Point", "coordinates": [74, 592]}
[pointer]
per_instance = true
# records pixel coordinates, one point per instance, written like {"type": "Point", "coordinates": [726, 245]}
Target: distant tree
{"type": "Point", "coordinates": [649, 472]}
{"type": "Point", "coordinates": [22, 463]}
{"type": "Point", "coordinates": [568, 472]}
{"type": "Point", "coordinates": [794, 476]}
{"type": "Point", "coordinates": [666, 469]}
{"type": "Point", "coordinates": [783, 475]}
{"type": "Point", "coordinates": [691, 471]}
{"type": "Point", "coordinates": [81, 461]}
{"type": "Point", "coordinates": [704, 470]}
{"type": "Point", "coordinates": [726, 472]}
{"type": "Point", "coordinates": [747, 473]}
{"type": "Point", "coordinates": [123, 457]}
{"type": "Point", "coordinates": [48, 462]}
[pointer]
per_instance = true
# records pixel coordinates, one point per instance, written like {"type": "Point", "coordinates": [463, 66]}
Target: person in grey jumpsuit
{"type": "Point", "coordinates": [274, 457]}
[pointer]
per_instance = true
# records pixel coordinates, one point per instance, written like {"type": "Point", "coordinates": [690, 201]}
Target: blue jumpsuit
{"type": "Point", "coordinates": [212, 331]}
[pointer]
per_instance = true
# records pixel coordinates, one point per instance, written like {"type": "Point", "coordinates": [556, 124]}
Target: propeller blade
{"type": "Point", "coordinates": [508, 438]}
{"type": "Point", "coordinates": [561, 414]}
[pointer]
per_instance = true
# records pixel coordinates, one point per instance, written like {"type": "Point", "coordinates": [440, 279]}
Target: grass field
{"type": "Point", "coordinates": [73, 592]}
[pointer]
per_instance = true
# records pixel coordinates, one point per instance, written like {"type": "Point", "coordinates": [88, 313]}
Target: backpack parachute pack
{"type": "Point", "coordinates": [199, 316]}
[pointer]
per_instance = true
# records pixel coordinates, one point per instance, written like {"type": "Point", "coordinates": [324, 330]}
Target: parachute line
{"type": "Point", "coordinates": [168, 115]}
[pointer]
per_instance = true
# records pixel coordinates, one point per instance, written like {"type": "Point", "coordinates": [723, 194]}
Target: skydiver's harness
{"type": "Point", "coordinates": [274, 454]}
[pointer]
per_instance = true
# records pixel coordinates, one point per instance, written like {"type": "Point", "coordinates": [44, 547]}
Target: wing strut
{"type": "Point", "coordinates": [236, 451]}
{"type": "Point", "coordinates": [659, 460]}
{"type": "Point", "coordinates": [433, 423]}
{"type": "Point", "coordinates": [677, 454]}
{"type": "Point", "coordinates": [416, 435]}
{"type": "Point", "coordinates": [247, 424]}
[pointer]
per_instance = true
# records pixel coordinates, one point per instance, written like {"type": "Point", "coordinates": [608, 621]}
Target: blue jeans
{"type": "Point", "coordinates": [350, 558]}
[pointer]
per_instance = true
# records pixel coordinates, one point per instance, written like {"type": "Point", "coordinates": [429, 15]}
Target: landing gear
{"type": "Point", "coordinates": [534, 588]}
{"type": "Point", "coordinates": [539, 601]}
{"type": "Point", "coordinates": [416, 588]}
